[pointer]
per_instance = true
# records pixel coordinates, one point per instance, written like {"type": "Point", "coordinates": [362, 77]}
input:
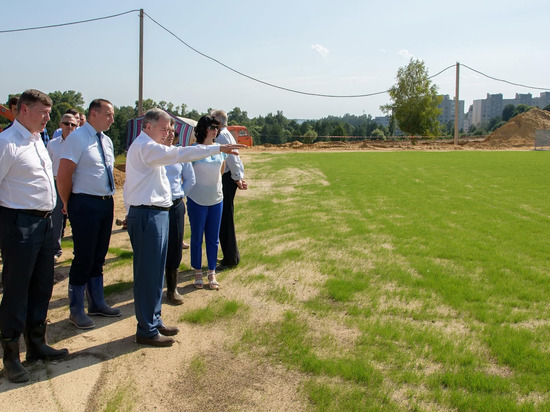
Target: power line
{"type": "Point", "coordinates": [67, 24]}
{"type": "Point", "coordinates": [504, 81]}
{"type": "Point", "coordinates": [445, 69]}
{"type": "Point", "coordinates": [255, 79]}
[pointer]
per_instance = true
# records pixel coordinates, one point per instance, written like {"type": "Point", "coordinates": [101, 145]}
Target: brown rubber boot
{"type": "Point", "coordinates": [171, 287]}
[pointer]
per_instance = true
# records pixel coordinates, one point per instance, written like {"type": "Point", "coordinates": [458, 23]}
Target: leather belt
{"type": "Point", "coordinates": [107, 197]}
{"type": "Point", "coordinates": [177, 201]}
{"type": "Point", "coordinates": [40, 213]}
{"type": "Point", "coordinates": [150, 207]}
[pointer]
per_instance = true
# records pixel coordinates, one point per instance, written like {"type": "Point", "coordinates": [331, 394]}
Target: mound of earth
{"type": "Point", "coordinates": [119, 175]}
{"type": "Point", "coordinates": [520, 130]}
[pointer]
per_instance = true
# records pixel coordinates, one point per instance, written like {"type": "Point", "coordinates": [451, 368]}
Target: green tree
{"type": "Point", "coordinates": [118, 129]}
{"type": "Point", "coordinates": [309, 136]}
{"type": "Point", "coordinates": [238, 117]}
{"type": "Point", "coordinates": [378, 133]}
{"type": "Point", "coordinates": [415, 101]}
{"type": "Point", "coordinates": [339, 132]}
{"type": "Point", "coordinates": [508, 112]}
{"type": "Point", "coordinates": [147, 104]}
{"type": "Point", "coordinates": [521, 108]}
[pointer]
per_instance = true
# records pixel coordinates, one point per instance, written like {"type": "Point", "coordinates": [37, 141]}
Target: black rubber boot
{"type": "Point", "coordinates": [171, 287]}
{"type": "Point", "coordinates": [38, 349]}
{"type": "Point", "coordinates": [13, 370]}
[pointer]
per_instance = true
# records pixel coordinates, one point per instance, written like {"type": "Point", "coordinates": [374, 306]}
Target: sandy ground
{"type": "Point", "coordinates": [200, 372]}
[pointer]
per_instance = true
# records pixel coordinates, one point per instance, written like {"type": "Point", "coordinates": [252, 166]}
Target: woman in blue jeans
{"type": "Point", "coordinates": [205, 204]}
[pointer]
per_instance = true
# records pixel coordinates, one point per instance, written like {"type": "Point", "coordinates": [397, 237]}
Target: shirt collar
{"type": "Point", "coordinates": [90, 129]}
{"type": "Point", "coordinates": [24, 132]}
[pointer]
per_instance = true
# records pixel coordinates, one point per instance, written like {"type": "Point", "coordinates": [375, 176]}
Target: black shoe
{"type": "Point", "coordinates": [158, 340]}
{"type": "Point", "coordinates": [221, 267]}
{"type": "Point", "coordinates": [168, 330]}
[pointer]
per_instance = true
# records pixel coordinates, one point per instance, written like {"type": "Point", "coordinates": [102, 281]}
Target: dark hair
{"type": "Point", "coordinates": [97, 103]}
{"type": "Point", "coordinates": [33, 96]}
{"type": "Point", "coordinates": [13, 101]}
{"type": "Point", "coordinates": [74, 112]}
{"type": "Point", "coordinates": [201, 129]}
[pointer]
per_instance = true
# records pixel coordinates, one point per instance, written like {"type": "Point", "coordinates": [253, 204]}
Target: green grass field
{"type": "Point", "coordinates": [406, 280]}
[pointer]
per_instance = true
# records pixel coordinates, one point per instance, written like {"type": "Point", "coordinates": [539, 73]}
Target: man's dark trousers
{"type": "Point", "coordinates": [228, 239]}
{"type": "Point", "coordinates": [27, 274]}
{"type": "Point", "coordinates": [91, 220]}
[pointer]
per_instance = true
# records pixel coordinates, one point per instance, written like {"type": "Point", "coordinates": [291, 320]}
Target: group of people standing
{"type": "Point", "coordinates": [83, 187]}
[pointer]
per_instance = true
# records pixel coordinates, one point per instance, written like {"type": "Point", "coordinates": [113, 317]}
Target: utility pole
{"type": "Point", "coordinates": [457, 102]}
{"type": "Point", "coordinates": [140, 93]}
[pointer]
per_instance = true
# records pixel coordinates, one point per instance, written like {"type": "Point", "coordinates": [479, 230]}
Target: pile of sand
{"type": "Point", "coordinates": [520, 130]}
{"type": "Point", "coordinates": [119, 176]}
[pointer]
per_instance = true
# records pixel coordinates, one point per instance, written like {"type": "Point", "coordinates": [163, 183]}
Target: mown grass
{"type": "Point", "coordinates": [436, 263]}
{"type": "Point", "coordinates": [216, 310]}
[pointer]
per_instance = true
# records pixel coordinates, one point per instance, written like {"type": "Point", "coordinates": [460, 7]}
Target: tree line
{"type": "Point", "coordinates": [277, 129]}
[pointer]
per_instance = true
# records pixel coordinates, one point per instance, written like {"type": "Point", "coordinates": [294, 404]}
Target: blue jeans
{"type": "Point", "coordinates": [204, 220]}
{"type": "Point", "coordinates": [148, 230]}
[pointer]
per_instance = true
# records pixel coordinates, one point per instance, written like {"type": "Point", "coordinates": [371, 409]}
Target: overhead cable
{"type": "Point", "coordinates": [504, 81]}
{"type": "Point", "coordinates": [67, 24]}
{"type": "Point", "coordinates": [255, 79]}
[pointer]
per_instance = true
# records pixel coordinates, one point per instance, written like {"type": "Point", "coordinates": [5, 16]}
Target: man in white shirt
{"type": "Point", "coordinates": [148, 198]}
{"type": "Point", "coordinates": [232, 179]}
{"type": "Point", "coordinates": [28, 198]}
{"type": "Point", "coordinates": [86, 184]}
{"type": "Point", "coordinates": [67, 125]}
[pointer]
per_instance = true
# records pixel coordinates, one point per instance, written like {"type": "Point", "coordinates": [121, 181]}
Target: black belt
{"type": "Point", "coordinates": [94, 196]}
{"type": "Point", "coordinates": [177, 201]}
{"type": "Point", "coordinates": [165, 209]}
{"type": "Point", "coordinates": [40, 213]}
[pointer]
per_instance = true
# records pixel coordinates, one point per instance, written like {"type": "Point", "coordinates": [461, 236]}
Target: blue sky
{"type": "Point", "coordinates": [343, 48]}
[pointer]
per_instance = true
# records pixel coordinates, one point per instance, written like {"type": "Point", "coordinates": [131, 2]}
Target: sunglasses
{"type": "Point", "coordinates": [68, 124]}
{"type": "Point", "coordinates": [213, 127]}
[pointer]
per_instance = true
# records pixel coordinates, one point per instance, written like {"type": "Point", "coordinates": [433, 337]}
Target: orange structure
{"type": "Point", "coordinates": [4, 111]}
{"type": "Point", "coordinates": [241, 135]}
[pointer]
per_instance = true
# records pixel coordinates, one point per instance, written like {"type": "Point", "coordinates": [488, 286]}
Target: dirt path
{"type": "Point", "coordinates": [106, 368]}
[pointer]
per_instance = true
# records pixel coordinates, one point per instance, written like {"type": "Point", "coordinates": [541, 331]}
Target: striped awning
{"type": "Point", "coordinates": [184, 127]}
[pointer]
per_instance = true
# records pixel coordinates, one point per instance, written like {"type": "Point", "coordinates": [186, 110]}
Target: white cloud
{"type": "Point", "coordinates": [405, 53]}
{"type": "Point", "coordinates": [323, 51]}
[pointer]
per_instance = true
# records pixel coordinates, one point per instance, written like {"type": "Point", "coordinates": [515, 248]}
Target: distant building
{"type": "Point", "coordinates": [483, 110]}
{"type": "Point", "coordinates": [382, 120]}
{"type": "Point", "coordinates": [447, 107]}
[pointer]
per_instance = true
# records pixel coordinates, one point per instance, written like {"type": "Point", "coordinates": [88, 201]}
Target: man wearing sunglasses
{"type": "Point", "coordinates": [67, 125]}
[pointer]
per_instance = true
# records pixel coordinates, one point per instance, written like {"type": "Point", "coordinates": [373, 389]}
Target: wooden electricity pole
{"type": "Point", "coordinates": [140, 94]}
{"type": "Point", "coordinates": [457, 103]}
